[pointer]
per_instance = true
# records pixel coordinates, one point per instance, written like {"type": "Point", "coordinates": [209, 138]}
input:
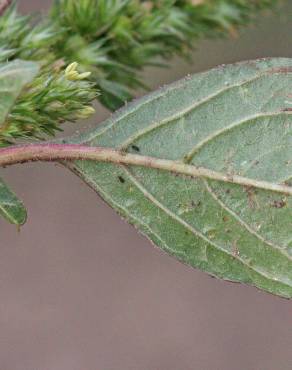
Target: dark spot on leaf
{"type": "Point", "coordinates": [279, 203]}
{"type": "Point", "coordinates": [121, 179]}
{"type": "Point", "coordinates": [136, 148]}
{"type": "Point", "coordinates": [251, 195]}
{"type": "Point", "coordinates": [234, 249]}
{"type": "Point", "coordinates": [225, 218]}
{"type": "Point", "coordinates": [287, 110]}
{"type": "Point", "coordinates": [196, 204]}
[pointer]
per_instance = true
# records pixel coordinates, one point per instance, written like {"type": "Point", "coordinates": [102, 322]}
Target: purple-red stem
{"type": "Point", "coordinates": [69, 152]}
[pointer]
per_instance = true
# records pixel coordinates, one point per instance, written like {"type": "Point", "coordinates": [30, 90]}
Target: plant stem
{"type": "Point", "coordinates": [49, 152]}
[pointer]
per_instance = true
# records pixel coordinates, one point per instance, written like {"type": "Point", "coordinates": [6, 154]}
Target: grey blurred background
{"type": "Point", "coordinates": [82, 290]}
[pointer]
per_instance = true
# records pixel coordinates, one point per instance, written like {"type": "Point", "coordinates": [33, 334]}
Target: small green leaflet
{"type": "Point", "coordinates": [13, 78]}
{"type": "Point", "coordinates": [11, 208]}
{"type": "Point", "coordinates": [234, 119]}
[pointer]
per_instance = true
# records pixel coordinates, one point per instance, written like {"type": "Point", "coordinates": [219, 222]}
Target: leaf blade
{"type": "Point", "coordinates": [221, 120]}
{"type": "Point", "coordinates": [11, 208]}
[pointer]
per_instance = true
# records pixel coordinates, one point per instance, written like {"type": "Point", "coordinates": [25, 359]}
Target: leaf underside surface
{"type": "Point", "coordinates": [234, 119]}
{"type": "Point", "coordinates": [11, 208]}
{"type": "Point", "coordinates": [13, 78]}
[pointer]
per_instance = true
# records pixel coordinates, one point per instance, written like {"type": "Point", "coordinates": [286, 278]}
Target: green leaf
{"type": "Point", "coordinates": [11, 208]}
{"type": "Point", "coordinates": [235, 120]}
{"type": "Point", "coordinates": [13, 77]}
